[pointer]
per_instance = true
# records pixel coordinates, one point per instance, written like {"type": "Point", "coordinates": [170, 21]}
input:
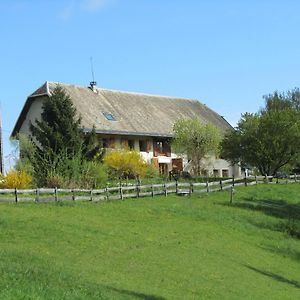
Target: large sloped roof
{"type": "Point", "coordinates": [134, 113]}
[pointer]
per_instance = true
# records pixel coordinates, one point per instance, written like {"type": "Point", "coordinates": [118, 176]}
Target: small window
{"type": "Point", "coordinates": [131, 144]}
{"type": "Point", "coordinates": [143, 145]}
{"type": "Point", "coordinates": [159, 146]}
{"type": "Point", "coordinates": [225, 173]}
{"type": "Point", "coordinates": [109, 116]}
{"type": "Point", "coordinates": [105, 143]}
{"type": "Point", "coordinates": [216, 172]}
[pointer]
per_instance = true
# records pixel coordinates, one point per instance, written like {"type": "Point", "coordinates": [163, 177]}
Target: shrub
{"type": "Point", "coordinates": [124, 163]}
{"type": "Point", "coordinates": [16, 179]}
{"type": "Point", "coordinates": [74, 173]}
{"type": "Point", "coordinates": [151, 171]}
{"type": "Point", "coordinates": [55, 180]}
{"type": "Point", "coordinates": [94, 174]}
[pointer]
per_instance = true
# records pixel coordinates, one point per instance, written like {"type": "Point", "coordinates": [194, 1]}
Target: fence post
{"type": "Point", "coordinates": [37, 195]}
{"type": "Point", "coordinates": [233, 182]}
{"type": "Point", "coordinates": [221, 185]}
{"type": "Point", "coordinates": [176, 186]}
{"type": "Point", "coordinates": [55, 193]}
{"type": "Point", "coordinates": [16, 195]}
{"type": "Point", "coordinates": [277, 180]}
{"type": "Point", "coordinates": [295, 178]}
{"type": "Point", "coordinates": [152, 190]}
{"type": "Point", "coordinates": [91, 195]}
{"type": "Point", "coordinates": [266, 178]}
{"type": "Point", "coordinates": [191, 189]}
{"type": "Point", "coordinates": [207, 186]}
{"type": "Point", "coordinates": [121, 191]}
{"type": "Point", "coordinates": [107, 193]}
{"type": "Point", "coordinates": [73, 195]}
{"type": "Point", "coordinates": [255, 179]}
{"type": "Point", "coordinates": [245, 179]}
{"type": "Point", "coordinates": [231, 194]}
{"type": "Point", "coordinates": [137, 190]}
{"type": "Point", "coordinates": [165, 189]}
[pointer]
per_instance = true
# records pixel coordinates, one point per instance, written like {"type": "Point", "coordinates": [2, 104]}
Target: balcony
{"type": "Point", "coordinates": [161, 148]}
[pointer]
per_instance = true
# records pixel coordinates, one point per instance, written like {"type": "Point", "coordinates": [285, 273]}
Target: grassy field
{"type": "Point", "coordinates": [163, 248]}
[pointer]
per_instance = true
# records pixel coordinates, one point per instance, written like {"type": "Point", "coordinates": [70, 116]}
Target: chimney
{"type": "Point", "coordinates": [93, 86]}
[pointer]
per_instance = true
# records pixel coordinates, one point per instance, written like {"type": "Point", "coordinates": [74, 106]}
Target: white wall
{"type": "Point", "coordinates": [33, 114]}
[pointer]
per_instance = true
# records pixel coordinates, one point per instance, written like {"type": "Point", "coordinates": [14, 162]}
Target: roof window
{"type": "Point", "coordinates": [109, 116]}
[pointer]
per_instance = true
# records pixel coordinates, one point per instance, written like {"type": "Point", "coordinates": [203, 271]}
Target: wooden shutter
{"type": "Point", "coordinates": [155, 163]}
{"type": "Point", "coordinates": [148, 148]}
{"type": "Point", "coordinates": [112, 143]}
{"type": "Point", "coordinates": [124, 143]}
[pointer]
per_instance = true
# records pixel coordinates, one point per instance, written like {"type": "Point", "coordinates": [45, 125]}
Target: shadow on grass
{"type": "Point", "coordinates": [135, 294]}
{"type": "Point", "coordinates": [276, 208]}
{"type": "Point", "coordinates": [283, 251]}
{"type": "Point", "coordinates": [288, 213]}
{"type": "Point", "coordinates": [276, 277]}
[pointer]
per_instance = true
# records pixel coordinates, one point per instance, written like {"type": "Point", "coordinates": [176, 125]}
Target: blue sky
{"type": "Point", "coordinates": [227, 53]}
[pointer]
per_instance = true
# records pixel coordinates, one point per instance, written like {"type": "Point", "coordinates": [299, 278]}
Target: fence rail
{"type": "Point", "coordinates": [135, 191]}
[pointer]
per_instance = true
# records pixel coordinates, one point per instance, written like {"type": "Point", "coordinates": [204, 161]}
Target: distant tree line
{"type": "Point", "coordinates": [269, 139]}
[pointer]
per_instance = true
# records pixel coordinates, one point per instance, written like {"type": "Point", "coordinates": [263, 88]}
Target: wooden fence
{"type": "Point", "coordinates": [135, 191]}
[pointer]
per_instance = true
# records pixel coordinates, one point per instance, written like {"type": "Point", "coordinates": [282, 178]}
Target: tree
{"type": "Point", "coordinates": [269, 139]}
{"type": "Point", "coordinates": [62, 147]}
{"type": "Point", "coordinates": [59, 129]}
{"type": "Point", "coordinates": [92, 148]}
{"type": "Point", "coordinates": [196, 140]}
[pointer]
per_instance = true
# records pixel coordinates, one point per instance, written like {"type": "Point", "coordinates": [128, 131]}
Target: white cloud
{"type": "Point", "coordinates": [95, 5]}
{"type": "Point", "coordinates": [67, 12]}
{"type": "Point", "coordinates": [89, 6]}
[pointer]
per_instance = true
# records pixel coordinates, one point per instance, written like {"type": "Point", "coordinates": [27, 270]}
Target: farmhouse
{"type": "Point", "coordinates": [132, 120]}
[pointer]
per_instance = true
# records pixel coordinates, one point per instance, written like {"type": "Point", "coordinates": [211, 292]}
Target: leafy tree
{"type": "Point", "coordinates": [196, 140]}
{"type": "Point", "coordinates": [27, 151]}
{"type": "Point", "coordinates": [269, 139]}
{"type": "Point", "coordinates": [281, 101]}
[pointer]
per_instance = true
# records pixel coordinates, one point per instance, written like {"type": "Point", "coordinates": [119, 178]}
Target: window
{"type": "Point", "coordinates": [109, 116]}
{"type": "Point", "coordinates": [162, 147]}
{"type": "Point", "coordinates": [105, 143]}
{"type": "Point", "coordinates": [143, 145]}
{"type": "Point", "coordinates": [216, 172]}
{"type": "Point", "coordinates": [159, 146]}
{"type": "Point", "coordinates": [225, 173]}
{"type": "Point", "coordinates": [131, 144]}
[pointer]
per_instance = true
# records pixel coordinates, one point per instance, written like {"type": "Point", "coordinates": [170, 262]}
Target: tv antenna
{"type": "Point", "coordinates": [92, 83]}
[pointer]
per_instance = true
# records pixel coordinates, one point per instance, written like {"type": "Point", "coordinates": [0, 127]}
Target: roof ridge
{"type": "Point", "coordinates": [147, 94]}
{"type": "Point", "coordinates": [126, 92]}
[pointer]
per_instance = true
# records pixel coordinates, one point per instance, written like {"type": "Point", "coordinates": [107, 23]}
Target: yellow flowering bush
{"type": "Point", "coordinates": [16, 179]}
{"type": "Point", "coordinates": [124, 163]}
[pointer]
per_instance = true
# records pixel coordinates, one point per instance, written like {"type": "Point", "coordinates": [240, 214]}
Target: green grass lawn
{"type": "Point", "coordinates": [163, 248]}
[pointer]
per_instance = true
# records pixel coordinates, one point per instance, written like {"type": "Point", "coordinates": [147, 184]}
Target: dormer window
{"type": "Point", "coordinates": [109, 116]}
